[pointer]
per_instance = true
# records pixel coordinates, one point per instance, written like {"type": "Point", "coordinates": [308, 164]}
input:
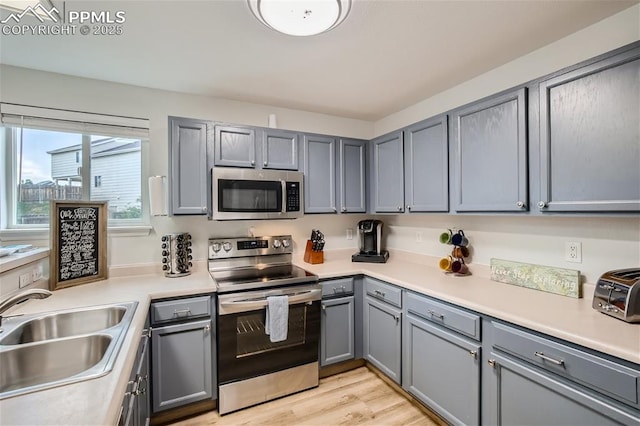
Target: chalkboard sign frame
{"type": "Point", "coordinates": [55, 257]}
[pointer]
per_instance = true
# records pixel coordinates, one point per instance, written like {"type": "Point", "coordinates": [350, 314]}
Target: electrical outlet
{"type": "Point", "coordinates": [573, 252]}
{"type": "Point", "coordinates": [418, 236]}
{"type": "Point", "coordinates": [36, 273]}
{"type": "Point", "coordinates": [25, 280]}
{"type": "Point", "coordinates": [349, 233]}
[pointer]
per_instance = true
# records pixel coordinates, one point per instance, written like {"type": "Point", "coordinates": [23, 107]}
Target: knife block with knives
{"type": "Point", "coordinates": [313, 251]}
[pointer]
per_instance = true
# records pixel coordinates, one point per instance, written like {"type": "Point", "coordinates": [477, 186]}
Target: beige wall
{"type": "Point", "coordinates": [607, 242]}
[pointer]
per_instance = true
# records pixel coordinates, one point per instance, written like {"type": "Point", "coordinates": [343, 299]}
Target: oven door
{"type": "Point", "coordinates": [246, 351]}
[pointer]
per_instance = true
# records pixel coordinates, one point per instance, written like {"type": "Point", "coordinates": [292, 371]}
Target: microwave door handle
{"type": "Point", "coordinates": [284, 196]}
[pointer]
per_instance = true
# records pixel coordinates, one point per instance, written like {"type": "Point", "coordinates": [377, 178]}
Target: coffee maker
{"type": "Point", "coordinates": [370, 239]}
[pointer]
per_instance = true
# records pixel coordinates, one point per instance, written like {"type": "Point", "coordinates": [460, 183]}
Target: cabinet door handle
{"type": "Point", "coordinates": [551, 360]}
{"type": "Point", "coordinates": [344, 209]}
{"type": "Point", "coordinates": [397, 318]}
{"type": "Point", "coordinates": [207, 327]}
{"type": "Point", "coordinates": [399, 208]}
{"type": "Point", "coordinates": [253, 163]}
{"type": "Point", "coordinates": [265, 163]}
{"type": "Point", "coordinates": [473, 354]}
{"type": "Point", "coordinates": [204, 210]}
{"type": "Point", "coordinates": [492, 363]}
{"type": "Point", "coordinates": [408, 207]}
{"type": "Point", "coordinates": [520, 204]}
{"type": "Point", "coordinates": [435, 314]}
{"type": "Point", "coordinates": [542, 204]}
{"type": "Point", "coordinates": [324, 307]}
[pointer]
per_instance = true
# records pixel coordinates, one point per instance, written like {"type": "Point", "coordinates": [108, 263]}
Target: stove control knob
{"type": "Point", "coordinates": [226, 246]}
{"type": "Point", "coordinates": [216, 247]}
{"type": "Point", "coordinates": [276, 244]}
{"type": "Point", "coordinates": [286, 243]}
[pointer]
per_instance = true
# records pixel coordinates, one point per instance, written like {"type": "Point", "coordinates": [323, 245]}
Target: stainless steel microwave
{"type": "Point", "coordinates": [255, 194]}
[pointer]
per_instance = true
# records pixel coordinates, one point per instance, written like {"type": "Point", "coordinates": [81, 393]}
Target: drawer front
{"type": "Point", "coordinates": [173, 310]}
{"type": "Point", "coordinates": [447, 316]}
{"type": "Point", "coordinates": [607, 377]}
{"type": "Point", "coordinates": [383, 291]}
{"type": "Point", "coordinates": [340, 287]}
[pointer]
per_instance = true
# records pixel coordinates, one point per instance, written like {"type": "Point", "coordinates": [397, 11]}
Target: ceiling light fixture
{"type": "Point", "coordinates": [300, 17]}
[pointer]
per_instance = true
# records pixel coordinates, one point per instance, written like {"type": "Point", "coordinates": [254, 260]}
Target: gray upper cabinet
{"type": "Point", "coordinates": [319, 174]}
{"type": "Point", "coordinates": [187, 166]}
{"type": "Point", "coordinates": [388, 174]}
{"type": "Point", "coordinates": [426, 166]}
{"type": "Point", "coordinates": [279, 149]}
{"type": "Point", "coordinates": [352, 179]}
{"type": "Point", "coordinates": [489, 155]}
{"type": "Point", "coordinates": [590, 138]}
{"type": "Point", "coordinates": [234, 146]}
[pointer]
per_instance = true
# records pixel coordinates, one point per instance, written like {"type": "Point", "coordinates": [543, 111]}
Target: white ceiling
{"type": "Point", "coordinates": [387, 55]}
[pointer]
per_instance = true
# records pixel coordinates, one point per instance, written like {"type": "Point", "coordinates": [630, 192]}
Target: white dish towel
{"type": "Point", "coordinates": [277, 320]}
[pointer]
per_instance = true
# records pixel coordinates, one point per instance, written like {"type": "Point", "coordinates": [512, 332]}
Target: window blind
{"type": "Point", "coordinates": [73, 121]}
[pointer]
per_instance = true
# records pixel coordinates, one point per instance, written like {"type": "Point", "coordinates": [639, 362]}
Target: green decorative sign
{"type": "Point", "coordinates": [545, 278]}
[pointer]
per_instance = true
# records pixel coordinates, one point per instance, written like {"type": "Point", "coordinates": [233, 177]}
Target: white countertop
{"type": "Point", "coordinates": [15, 260]}
{"type": "Point", "coordinates": [98, 401]}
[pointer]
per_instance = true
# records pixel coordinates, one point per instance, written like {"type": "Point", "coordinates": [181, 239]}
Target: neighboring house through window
{"type": "Point", "coordinates": [47, 163]}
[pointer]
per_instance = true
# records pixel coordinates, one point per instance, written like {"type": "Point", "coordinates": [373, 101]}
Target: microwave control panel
{"type": "Point", "coordinates": [293, 196]}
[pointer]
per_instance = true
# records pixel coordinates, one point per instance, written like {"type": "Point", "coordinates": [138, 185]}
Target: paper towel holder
{"type": "Point", "coordinates": [158, 196]}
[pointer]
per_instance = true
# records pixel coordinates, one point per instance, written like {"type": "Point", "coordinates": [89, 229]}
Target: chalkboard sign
{"type": "Point", "coordinates": [78, 243]}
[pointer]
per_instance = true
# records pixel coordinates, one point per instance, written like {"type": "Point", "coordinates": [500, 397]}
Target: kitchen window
{"type": "Point", "coordinates": [53, 154]}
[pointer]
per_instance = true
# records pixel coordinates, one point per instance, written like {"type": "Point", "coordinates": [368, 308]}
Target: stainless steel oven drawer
{"type": "Point", "coordinates": [339, 287]}
{"type": "Point", "coordinates": [609, 378]}
{"type": "Point", "coordinates": [383, 291]}
{"type": "Point", "coordinates": [447, 316]}
{"type": "Point", "coordinates": [181, 309]}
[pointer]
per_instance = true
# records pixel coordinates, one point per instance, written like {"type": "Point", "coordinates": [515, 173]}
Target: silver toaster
{"type": "Point", "coordinates": [618, 294]}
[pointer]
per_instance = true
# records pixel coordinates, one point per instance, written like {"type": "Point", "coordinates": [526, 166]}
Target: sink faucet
{"type": "Point", "coordinates": [35, 293]}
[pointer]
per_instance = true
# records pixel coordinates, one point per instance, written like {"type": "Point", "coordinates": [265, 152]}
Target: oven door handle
{"type": "Point", "coordinates": [253, 304]}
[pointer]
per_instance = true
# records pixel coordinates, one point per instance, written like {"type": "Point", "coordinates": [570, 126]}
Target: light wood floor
{"type": "Point", "coordinates": [356, 397]}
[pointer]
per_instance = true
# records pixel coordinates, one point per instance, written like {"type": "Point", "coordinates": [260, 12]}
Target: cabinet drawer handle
{"type": "Point", "coordinates": [182, 312]}
{"type": "Point", "coordinates": [379, 293]}
{"type": "Point", "coordinates": [435, 314]}
{"type": "Point", "coordinates": [551, 360]}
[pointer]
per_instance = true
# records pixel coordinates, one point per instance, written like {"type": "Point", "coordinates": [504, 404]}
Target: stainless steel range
{"type": "Point", "coordinates": [268, 321]}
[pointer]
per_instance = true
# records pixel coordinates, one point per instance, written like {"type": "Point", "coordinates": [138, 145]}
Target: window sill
{"type": "Point", "coordinates": [43, 233]}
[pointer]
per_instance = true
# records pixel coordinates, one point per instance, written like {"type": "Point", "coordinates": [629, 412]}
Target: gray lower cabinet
{"type": "Point", "coordinates": [442, 370]}
{"type": "Point", "coordinates": [426, 166]}
{"type": "Point", "coordinates": [387, 186]}
{"type": "Point", "coordinates": [181, 364]}
{"type": "Point", "coordinates": [279, 149]}
{"type": "Point", "coordinates": [136, 406]}
{"type": "Point", "coordinates": [382, 340]}
{"type": "Point", "coordinates": [234, 146]}
{"type": "Point", "coordinates": [337, 338]}
{"type": "Point", "coordinates": [522, 395]}
{"type": "Point", "coordinates": [489, 155]}
{"type": "Point", "coordinates": [188, 166]}
{"type": "Point", "coordinates": [590, 138]}
{"type": "Point", "coordinates": [529, 379]}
